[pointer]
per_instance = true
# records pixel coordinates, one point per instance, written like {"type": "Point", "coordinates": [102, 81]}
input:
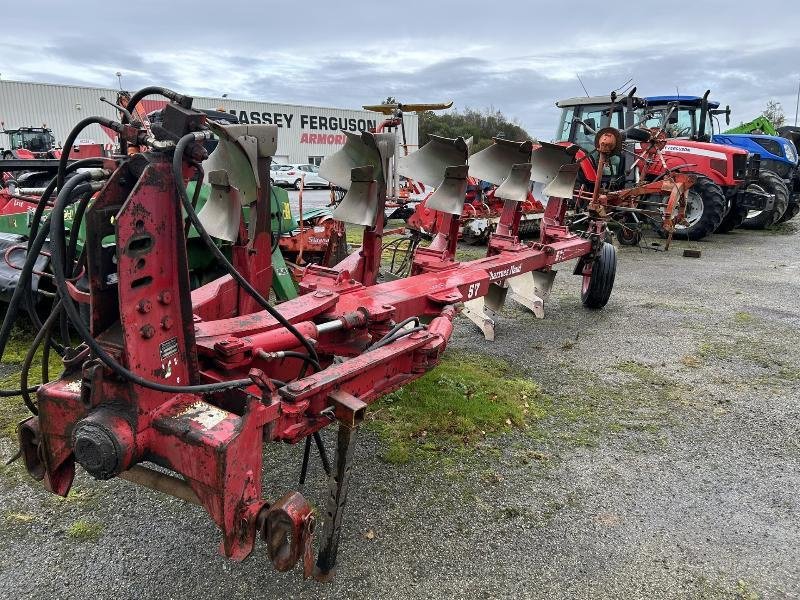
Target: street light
{"type": "Point", "coordinates": [119, 79]}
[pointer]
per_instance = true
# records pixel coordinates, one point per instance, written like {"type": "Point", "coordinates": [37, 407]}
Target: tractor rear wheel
{"type": "Point", "coordinates": [771, 183]}
{"type": "Point", "coordinates": [733, 218]}
{"type": "Point", "coordinates": [596, 287]}
{"type": "Point", "coordinates": [705, 209]}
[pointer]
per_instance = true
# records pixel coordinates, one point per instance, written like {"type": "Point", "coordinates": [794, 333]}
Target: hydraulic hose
{"type": "Point", "coordinates": [57, 236]}
{"type": "Point", "coordinates": [26, 365]}
{"type": "Point", "coordinates": [70, 141]}
{"type": "Point", "coordinates": [48, 191]}
{"type": "Point", "coordinates": [400, 334]}
{"type": "Point", "coordinates": [154, 90]}
{"type": "Point", "coordinates": [72, 187]}
{"type": "Point", "coordinates": [393, 331]}
{"type": "Point", "coordinates": [177, 171]}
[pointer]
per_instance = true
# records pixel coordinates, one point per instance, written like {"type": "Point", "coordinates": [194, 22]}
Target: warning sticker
{"type": "Point", "coordinates": [169, 348]}
{"type": "Point", "coordinates": [205, 415]}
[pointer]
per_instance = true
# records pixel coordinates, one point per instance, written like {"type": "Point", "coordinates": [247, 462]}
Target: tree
{"type": "Point", "coordinates": [480, 125]}
{"type": "Point", "coordinates": [774, 112]}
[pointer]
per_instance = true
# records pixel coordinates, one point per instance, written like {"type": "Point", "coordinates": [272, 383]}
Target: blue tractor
{"type": "Point", "coordinates": [697, 118]}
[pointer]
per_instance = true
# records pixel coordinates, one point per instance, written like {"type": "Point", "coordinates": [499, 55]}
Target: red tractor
{"type": "Point", "coordinates": [689, 120]}
{"type": "Point", "coordinates": [29, 143]}
{"type": "Point", "coordinates": [722, 173]}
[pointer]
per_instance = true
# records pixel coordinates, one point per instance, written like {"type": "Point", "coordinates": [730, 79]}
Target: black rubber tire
{"type": "Point", "coordinates": [628, 236]}
{"type": "Point", "coordinates": [791, 212]}
{"type": "Point", "coordinates": [714, 205]}
{"type": "Point", "coordinates": [733, 218]}
{"type": "Point", "coordinates": [297, 185]}
{"type": "Point", "coordinates": [772, 184]}
{"type": "Point", "coordinates": [596, 292]}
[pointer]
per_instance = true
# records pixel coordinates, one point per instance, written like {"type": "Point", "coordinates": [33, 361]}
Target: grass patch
{"type": "Point", "coordinates": [466, 398]}
{"type": "Point", "coordinates": [12, 410]}
{"type": "Point", "coordinates": [466, 253]}
{"type": "Point", "coordinates": [85, 531]}
{"type": "Point", "coordinates": [743, 317]}
{"type": "Point", "coordinates": [19, 517]}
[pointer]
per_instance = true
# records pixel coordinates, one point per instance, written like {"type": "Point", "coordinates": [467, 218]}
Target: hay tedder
{"type": "Point", "coordinates": [178, 390]}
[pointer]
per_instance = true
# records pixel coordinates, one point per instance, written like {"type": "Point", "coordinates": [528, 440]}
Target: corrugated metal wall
{"type": "Point", "coordinates": [306, 131]}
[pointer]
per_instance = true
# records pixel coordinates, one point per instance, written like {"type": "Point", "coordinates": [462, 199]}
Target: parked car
{"type": "Point", "coordinates": [290, 175]}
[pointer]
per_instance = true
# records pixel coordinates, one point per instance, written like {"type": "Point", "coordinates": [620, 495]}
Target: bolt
{"type": "Point", "coordinates": [166, 323]}
{"type": "Point", "coordinates": [147, 331]}
{"type": "Point", "coordinates": [165, 297]}
{"type": "Point", "coordinates": [145, 306]}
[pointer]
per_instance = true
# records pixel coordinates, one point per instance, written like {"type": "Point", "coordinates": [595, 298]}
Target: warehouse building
{"type": "Point", "coordinates": [307, 133]}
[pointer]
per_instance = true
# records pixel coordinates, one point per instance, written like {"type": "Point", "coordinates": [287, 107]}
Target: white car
{"type": "Point", "coordinates": [290, 175]}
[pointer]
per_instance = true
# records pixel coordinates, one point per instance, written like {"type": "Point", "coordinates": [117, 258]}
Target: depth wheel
{"type": "Point", "coordinates": [597, 285]}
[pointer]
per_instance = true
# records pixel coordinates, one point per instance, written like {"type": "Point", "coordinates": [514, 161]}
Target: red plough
{"type": "Point", "coordinates": [179, 390]}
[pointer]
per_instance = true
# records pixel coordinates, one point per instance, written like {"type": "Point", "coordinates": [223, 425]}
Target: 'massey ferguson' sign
{"type": "Point", "coordinates": [305, 121]}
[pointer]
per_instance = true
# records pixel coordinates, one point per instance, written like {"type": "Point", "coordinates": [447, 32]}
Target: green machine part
{"type": "Point", "coordinates": [201, 260]}
{"type": "Point", "coordinates": [761, 125]}
{"type": "Point", "coordinates": [282, 221]}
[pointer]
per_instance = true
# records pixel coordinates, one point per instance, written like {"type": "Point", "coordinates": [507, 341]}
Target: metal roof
{"type": "Point", "coordinates": [683, 100]}
{"type": "Point", "coordinates": [583, 100]}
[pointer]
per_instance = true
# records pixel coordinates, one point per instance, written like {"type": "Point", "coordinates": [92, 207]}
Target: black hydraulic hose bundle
{"type": "Point", "coordinates": [45, 198]}
{"type": "Point", "coordinates": [41, 335]}
{"type": "Point", "coordinates": [70, 141]}
{"type": "Point", "coordinates": [57, 236]}
{"type": "Point", "coordinates": [151, 90]}
{"type": "Point", "coordinates": [75, 186]}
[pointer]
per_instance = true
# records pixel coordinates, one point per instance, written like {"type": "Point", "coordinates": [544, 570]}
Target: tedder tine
{"type": "Point", "coordinates": [323, 455]}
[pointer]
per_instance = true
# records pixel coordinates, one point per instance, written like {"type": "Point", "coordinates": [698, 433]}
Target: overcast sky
{"type": "Point", "coordinates": [516, 56]}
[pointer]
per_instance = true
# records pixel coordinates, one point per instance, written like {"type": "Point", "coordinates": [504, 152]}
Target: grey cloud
{"type": "Point", "coordinates": [324, 54]}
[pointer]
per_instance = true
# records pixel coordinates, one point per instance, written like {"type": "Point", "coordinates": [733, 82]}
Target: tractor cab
{"type": "Point", "coordinates": [581, 119]}
{"type": "Point", "coordinates": [37, 140]}
{"type": "Point", "coordinates": [682, 117]}
{"type": "Point", "coordinates": [697, 118]}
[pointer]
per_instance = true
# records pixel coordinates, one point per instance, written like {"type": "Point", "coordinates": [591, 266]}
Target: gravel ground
{"type": "Point", "coordinates": [676, 478]}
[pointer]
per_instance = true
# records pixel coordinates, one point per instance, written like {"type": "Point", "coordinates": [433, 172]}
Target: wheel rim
{"type": "Point", "coordinates": [752, 214]}
{"type": "Point", "coordinates": [587, 279]}
{"type": "Point", "coordinates": [693, 212]}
